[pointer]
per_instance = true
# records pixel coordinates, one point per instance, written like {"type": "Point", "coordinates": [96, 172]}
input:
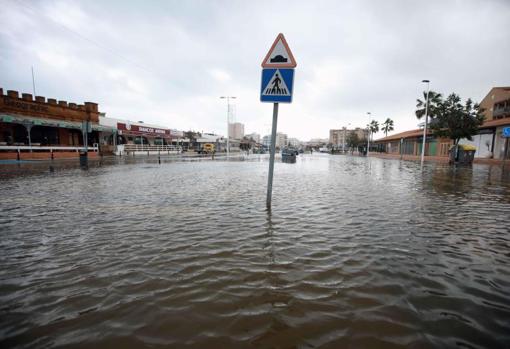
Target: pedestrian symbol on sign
{"type": "Point", "coordinates": [276, 86]}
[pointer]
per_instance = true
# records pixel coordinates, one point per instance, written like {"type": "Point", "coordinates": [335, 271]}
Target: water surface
{"type": "Point", "coordinates": [356, 253]}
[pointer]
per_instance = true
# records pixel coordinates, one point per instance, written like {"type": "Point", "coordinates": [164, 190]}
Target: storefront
{"type": "Point", "coordinates": [138, 137]}
{"type": "Point", "coordinates": [39, 128]}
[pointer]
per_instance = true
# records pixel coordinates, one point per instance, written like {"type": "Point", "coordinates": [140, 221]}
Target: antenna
{"type": "Point", "coordinates": [33, 81]}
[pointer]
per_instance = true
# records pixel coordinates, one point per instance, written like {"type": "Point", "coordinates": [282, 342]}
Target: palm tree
{"type": "Point", "coordinates": [435, 99]}
{"type": "Point", "coordinates": [373, 127]}
{"type": "Point", "coordinates": [387, 126]}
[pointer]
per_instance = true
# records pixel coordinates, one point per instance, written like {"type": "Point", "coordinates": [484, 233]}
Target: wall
{"type": "Point", "coordinates": [51, 109]}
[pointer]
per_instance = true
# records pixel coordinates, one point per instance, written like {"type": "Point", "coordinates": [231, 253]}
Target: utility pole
{"type": "Point", "coordinates": [33, 81]}
{"type": "Point", "coordinates": [228, 121]}
{"type": "Point", "coordinates": [368, 133]}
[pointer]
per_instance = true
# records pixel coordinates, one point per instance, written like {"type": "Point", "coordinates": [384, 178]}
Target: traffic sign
{"type": "Point", "coordinates": [277, 85]}
{"type": "Point", "coordinates": [506, 132]}
{"type": "Point", "coordinates": [279, 55]}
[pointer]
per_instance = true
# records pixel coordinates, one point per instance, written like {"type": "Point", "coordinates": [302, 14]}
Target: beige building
{"type": "Point", "coordinates": [236, 130]}
{"type": "Point", "coordinates": [494, 102]}
{"type": "Point", "coordinates": [338, 138]}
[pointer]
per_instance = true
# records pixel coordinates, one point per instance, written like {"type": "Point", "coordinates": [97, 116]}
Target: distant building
{"type": "Point", "coordinates": [254, 136]}
{"type": "Point", "coordinates": [294, 142]}
{"type": "Point", "coordinates": [281, 140]}
{"type": "Point", "coordinates": [338, 138]}
{"type": "Point", "coordinates": [317, 142]}
{"type": "Point", "coordinates": [236, 130]}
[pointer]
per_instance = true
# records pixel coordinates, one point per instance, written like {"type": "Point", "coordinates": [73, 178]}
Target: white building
{"type": "Point", "coordinates": [294, 142]}
{"type": "Point", "coordinates": [254, 136]}
{"type": "Point", "coordinates": [266, 140]}
{"type": "Point", "coordinates": [281, 139]}
{"type": "Point", "coordinates": [236, 130]}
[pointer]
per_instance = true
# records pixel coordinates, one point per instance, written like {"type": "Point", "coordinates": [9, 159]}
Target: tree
{"type": "Point", "coordinates": [453, 120]}
{"type": "Point", "coordinates": [435, 99]}
{"type": "Point", "coordinates": [192, 136]}
{"type": "Point", "coordinates": [352, 140]}
{"type": "Point", "coordinates": [373, 127]}
{"type": "Point", "coordinates": [387, 126]}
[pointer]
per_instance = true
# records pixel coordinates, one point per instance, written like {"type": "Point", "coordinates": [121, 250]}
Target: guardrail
{"type": "Point", "coordinates": [148, 148]}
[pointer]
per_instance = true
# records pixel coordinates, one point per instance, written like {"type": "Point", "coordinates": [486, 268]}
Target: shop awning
{"type": "Point", "coordinates": [37, 121]}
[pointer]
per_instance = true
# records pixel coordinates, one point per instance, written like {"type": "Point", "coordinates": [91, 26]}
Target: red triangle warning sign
{"type": "Point", "coordinates": [279, 55]}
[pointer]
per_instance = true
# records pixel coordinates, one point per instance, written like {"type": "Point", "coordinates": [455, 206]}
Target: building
{"type": "Point", "coordinates": [294, 142]}
{"type": "Point", "coordinates": [491, 103]}
{"type": "Point", "coordinates": [489, 141]}
{"type": "Point", "coordinates": [40, 128]}
{"type": "Point", "coordinates": [220, 142]}
{"type": "Point", "coordinates": [236, 130]}
{"type": "Point", "coordinates": [266, 141]}
{"type": "Point", "coordinates": [133, 137]}
{"type": "Point", "coordinates": [254, 136]}
{"type": "Point", "coordinates": [338, 138]}
{"type": "Point", "coordinates": [317, 142]}
{"type": "Point", "coordinates": [281, 140]}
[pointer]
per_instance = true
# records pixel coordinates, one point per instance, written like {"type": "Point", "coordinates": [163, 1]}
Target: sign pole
{"type": "Point", "coordinates": [271, 157]}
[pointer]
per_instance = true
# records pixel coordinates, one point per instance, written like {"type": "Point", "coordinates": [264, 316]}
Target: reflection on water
{"type": "Point", "coordinates": [362, 253]}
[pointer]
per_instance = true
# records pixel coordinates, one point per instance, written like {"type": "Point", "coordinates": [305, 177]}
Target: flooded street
{"type": "Point", "coordinates": [358, 253]}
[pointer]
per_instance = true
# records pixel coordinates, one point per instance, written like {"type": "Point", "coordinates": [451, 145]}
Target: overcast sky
{"type": "Point", "coordinates": [167, 62]}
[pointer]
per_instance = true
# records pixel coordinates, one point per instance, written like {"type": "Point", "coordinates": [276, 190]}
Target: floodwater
{"type": "Point", "coordinates": [356, 253]}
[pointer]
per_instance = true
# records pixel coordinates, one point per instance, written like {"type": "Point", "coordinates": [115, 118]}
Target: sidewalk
{"type": "Point", "coordinates": [443, 159]}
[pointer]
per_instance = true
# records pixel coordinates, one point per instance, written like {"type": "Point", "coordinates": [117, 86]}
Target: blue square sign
{"type": "Point", "coordinates": [277, 85]}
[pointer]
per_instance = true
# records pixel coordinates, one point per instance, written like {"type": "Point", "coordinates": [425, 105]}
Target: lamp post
{"type": "Point", "coordinates": [345, 136]}
{"type": "Point", "coordinates": [228, 122]}
{"type": "Point", "coordinates": [426, 122]}
{"type": "Point", "coordinates": [368, 133]}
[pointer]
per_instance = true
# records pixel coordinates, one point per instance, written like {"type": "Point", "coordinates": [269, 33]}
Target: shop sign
{"type": "Point", "coordinates": [136, 129]}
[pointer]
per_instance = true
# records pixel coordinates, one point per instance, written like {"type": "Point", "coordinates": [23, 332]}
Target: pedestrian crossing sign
{"type": "Point", "coordinates": [277, 85]}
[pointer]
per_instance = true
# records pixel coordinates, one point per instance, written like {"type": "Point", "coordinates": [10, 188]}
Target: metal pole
{"type": "Point", "coordinates": [343, 142]}
{"type": "Point", "coordinates": [33, 80]}
{"type": "Point", "coordinates": [401, 150]}
{"type": "Point", "coordinates": [368, 134]}
{"type": "Point", "coordinates": [29, 128]}
{"type": "Point", "coordinates": [86, 137]}
{"type": "Point", "coordinates": [228, 127]}
{"type": "Point", "coordinates": [426, 123]}
{"type": "Point", "coordinates": [271, 157]}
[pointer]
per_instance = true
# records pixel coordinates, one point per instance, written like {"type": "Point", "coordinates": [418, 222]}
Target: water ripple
{"type": "Point", "coordinates": [361, 253]}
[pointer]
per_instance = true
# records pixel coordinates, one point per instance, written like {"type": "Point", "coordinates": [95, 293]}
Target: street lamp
{"type": "Point", "coordinates": [426, 122]}
{"type": "Point", "coordinates": [228, 98]}
{"type": "Point", "coordinates": [345, 136]}
{"type": "Point", "coordinates": [368, 134]}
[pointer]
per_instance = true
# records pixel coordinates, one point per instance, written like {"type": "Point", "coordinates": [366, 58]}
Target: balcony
{"type": "Point", "coordinates": [500, 113]}
{"type": "Point", "coordinates": [501, 109]}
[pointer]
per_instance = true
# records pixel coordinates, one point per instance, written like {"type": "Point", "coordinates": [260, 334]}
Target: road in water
{"type": "Point", "coordinates": [359, 253]}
